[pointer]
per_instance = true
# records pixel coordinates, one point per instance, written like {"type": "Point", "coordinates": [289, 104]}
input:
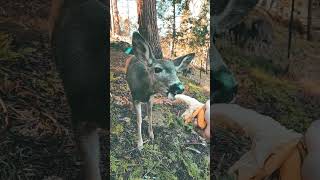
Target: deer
{"type": "Point", "coordinates": [147, 76]}
{"type": "Point", "coordinates": [227, 14]}
{"type": "Point", "coordinates": [78, 37]}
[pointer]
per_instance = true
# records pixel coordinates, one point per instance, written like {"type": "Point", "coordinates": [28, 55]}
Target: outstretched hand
{"type": "Point", "coordinates": [198, 114]}
{"type": "Point", "coordinates": [206, 131]}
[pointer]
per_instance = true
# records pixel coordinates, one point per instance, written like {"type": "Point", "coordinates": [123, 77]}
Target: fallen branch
{"type": "Point", "coordinates": [6, 119]}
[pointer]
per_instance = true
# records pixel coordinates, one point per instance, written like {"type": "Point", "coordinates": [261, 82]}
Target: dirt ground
{"type": "Point", "coordinates": [38, 143]}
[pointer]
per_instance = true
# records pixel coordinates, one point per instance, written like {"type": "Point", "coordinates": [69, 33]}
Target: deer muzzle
{"type": "Point", "coordinates": [176, 88]}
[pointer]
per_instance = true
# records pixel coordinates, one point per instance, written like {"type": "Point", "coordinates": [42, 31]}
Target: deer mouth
{"type": "Point", "coordinates": [174, 89]}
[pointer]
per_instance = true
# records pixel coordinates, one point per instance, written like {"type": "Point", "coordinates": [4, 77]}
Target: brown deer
{"type": "Point", "coordinates": [147, 76]}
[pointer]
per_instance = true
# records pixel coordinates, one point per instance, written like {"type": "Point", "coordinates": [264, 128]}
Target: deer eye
{"type": "Point", "coordinates": [157, 70]}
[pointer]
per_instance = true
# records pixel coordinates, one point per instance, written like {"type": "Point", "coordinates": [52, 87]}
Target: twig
{"type": "Point", "coordinates": [50, 117]}
{"type": "Point", "coordinates": [17, 112]}
{"type": "Point", "coordinates": [194, 150]}
{"type": "Point", "coordinates": [3, 106]}
{"type": "Point", "coordinates": [203, 144]}
{"type": "Point", "coordinates": [149, 170]}
{"type": "Point", "coordinates": [135, 147]}
{"type": "Point", "coordinates": [6, 121]}
{"type": "Point", "coordinates": [55, 122]}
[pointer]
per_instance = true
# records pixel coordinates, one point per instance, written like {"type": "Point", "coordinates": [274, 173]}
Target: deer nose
{"type": "Point", "coordinates": [176, 88]}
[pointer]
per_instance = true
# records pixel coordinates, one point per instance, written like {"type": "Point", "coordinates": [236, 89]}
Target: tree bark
{"type": "Point", "coordinates": [115, 16]}
{"type": "Point", "coordinates": [286, 71]}
{"type": "Point", "coordinates": [290, 27]}
{"type": "Point", "coordinates": [309, 20]}
{"type": "Point", "coordinates": [111, 18]}
{"type": "Point", "coordinates": [207, 61]}
{"type": "Point", "coordinates": [148, 28]}
{"type": "Point", "coordinates": [173, 28]}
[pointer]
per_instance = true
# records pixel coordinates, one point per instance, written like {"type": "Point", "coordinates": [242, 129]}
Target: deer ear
{"type": "Point", "coordinates": [141, 48]}
{"type": "Point", "coordinates": [182, 62]}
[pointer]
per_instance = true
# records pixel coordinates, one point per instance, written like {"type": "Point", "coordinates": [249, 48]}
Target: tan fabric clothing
{"type": "Point", "coordinates": [273, 146]}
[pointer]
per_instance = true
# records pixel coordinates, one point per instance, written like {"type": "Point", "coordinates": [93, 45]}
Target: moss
{"type": "Point", "coordinates": [264, 78]}
{"type": "Point", "coordinates": [162, 159]}
{"type": "Point", "coordinates": [117, 129]}
{"type": "Point", "coordinates": [191, 167]}
{"type": "Point", "coordinates": [262, 81]}
{"type": "Point", "coordinates": [197, 92]}
{"type": "Point", "coordinates": [112, 77]}
{"type": "Point", "coordinates": [281, 95]}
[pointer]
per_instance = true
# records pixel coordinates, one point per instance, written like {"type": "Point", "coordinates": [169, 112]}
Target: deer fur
{"type": "Point", "coordinates": [78, 35]}
{"type": "Point", "coordinates": [147, 76]}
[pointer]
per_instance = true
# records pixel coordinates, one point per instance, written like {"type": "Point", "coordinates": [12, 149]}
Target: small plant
{"type": "Point", "coordinates": [7, 52]}
{"type": "Point", "coordinates": [197, 92]}
{"type": "Point", "coordinates": [5, 47]}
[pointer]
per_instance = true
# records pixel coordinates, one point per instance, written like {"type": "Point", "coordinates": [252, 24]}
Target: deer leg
{"type": "Point", "coordinates": [88, 141]}
{"type": "Point", "coordinates": [137, 106]}
{"type": "Point", "coordinates": [150, 130]}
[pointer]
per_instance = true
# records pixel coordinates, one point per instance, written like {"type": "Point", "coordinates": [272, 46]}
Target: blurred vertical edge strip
{"type": "Point", "coordinates": [107, 20]}
{"type": "Point", "coordinates": [212, 42]}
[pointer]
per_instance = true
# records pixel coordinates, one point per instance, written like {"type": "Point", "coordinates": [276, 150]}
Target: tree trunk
{"type": "Point", "coordinates": [290, 27]}
{"type": "Point", "coordinates": [309, 20]}
{"type": "Point", "coordinates": [290, 36]}
{"type": "Point", "coordinates": [148, 28]}
{"type": "Point", "coordinates": [207, 61]}
{"type": "Point", "coordinates": [127, 27]}
{"type": "Point", "coordinates": [173, 28]}
{"type": "Point", "coordinates": [111, 19]}
{"type": "Point", "coordinates": [115, 16]}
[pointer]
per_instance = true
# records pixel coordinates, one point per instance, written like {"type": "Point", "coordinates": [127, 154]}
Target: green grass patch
{"type": "Point", "coordinates": [263, 81]}
{"type": "Point", "coordinates": [7, 51]}
{"type": "Point", "coordinates": [280, 95]}
{"type": "Point", "coordinates": [112, 77]}
{"type": "Point", "coordinates": [197, 92]}
{"type": "Point", "coordinates": [235, 57]}
{"type": "Point", "coordinates": [165, 158]}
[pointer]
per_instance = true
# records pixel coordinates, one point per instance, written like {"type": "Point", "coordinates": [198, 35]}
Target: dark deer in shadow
{"type": "Point", "coordinates": [78, 34]}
